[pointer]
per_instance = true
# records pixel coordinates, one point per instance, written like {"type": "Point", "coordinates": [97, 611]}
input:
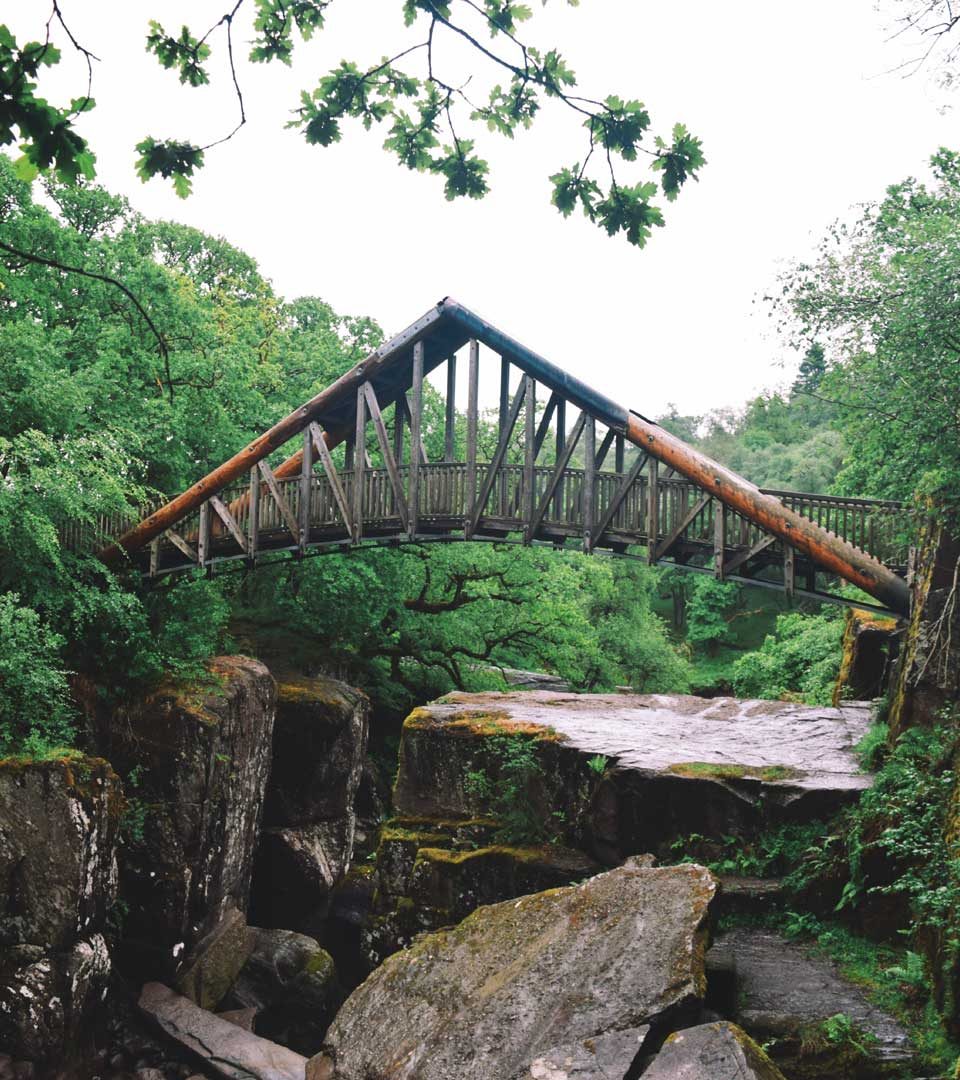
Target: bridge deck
{"type": "Point", "coordinates": [445, 499]}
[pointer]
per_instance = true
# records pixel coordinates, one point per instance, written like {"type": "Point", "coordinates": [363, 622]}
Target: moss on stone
{"type": "Point", "coordinates": [476, 722]}
{"type": "Point", "coordinates": [711, 770]}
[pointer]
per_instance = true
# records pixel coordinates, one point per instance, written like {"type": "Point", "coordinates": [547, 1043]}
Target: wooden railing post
{"type": "Point", "coordinates": [306, 482]}
{"type": "Point", "coordinates": [470, 480]}
{"type": "Point", "coordinates": [588, 493]}
{"type": "Point", "coordinates": [529, 457]}
{"type": "Point", "coordinates": [449, 428]}
{"type": "Point", "coordinates": [561, 443]}
{"type": "Point", "coordinates": [789, 569]}
{"type": "Point", "coordinates": [359, 463]}
{"type": "Point", "coordinates": [416, 416]}
{"type": "Point", "coordinates": [203, 535]}
{"type": "Point", "coordinates": [719, 538]}
{"type": "Point", "coordinates": [653, 508]}
{"type": "Point", "coordinates": [254, 529]}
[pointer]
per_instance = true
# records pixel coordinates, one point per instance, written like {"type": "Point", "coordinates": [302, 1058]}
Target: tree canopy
{"type": "Point", "coordinates": [430, 107]}
{"type": "Point", "coordinates": [94, 420]}
{"type": "Point", "coordinates": [882, 298]}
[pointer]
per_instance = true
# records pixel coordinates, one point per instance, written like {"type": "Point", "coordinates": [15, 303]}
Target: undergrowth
{"type": "Point", "coordinates": [507, 789]}
{"type": "Point", "coordinates": [893, 977]}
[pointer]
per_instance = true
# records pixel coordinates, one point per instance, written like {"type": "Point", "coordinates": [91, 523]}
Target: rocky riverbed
{"type": "Point", "coordinates": [511, 919]}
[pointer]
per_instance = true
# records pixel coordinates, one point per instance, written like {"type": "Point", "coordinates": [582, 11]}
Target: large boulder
{"type": "Point", "coordinates": [517, 981]}
{"type": "Point", "coordinates": [433, 874]}
{"type": "Point", "coordinates": [58, 877]}
{"type": "Point", "coordinates": [320, 741]}
{"type": "Point", "coordinates": [200, 756]}
{"type": "Point", "coordinates": [627, 773]}
{"type": "Point", "coordinates": [289, 984]}
{"type": "Point", "coordinates": [719, 1051]}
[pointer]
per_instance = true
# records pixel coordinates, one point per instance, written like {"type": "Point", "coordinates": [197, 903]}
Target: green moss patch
{"type": "Point", "coordinates": [712, 770]}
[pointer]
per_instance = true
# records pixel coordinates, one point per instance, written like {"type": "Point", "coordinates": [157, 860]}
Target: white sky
{"type": "Point", "coordinates": [798, 118]}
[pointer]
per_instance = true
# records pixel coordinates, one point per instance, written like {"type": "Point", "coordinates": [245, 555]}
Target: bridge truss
{"type": "Point", "coordinates": [579, 470]}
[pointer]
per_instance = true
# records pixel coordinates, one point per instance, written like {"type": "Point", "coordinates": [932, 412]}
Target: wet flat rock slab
{"type": "Point", "coordinates": [781, 991]}
{"type": "Point", "coordinates": [770, 741]}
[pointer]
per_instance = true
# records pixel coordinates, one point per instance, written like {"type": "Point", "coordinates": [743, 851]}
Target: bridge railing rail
{"type": "Point", "coordinates": [446, 497]}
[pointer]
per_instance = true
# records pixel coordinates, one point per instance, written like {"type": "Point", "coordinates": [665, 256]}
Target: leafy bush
{"type": "Point", "coordinates": [34, 697]}
{"type": "Point", "coordinates": [508, 787]}
{"type": "Point", "coordinates": [907, 811]}
{"type": "Point", "coordinates": [800, 660]}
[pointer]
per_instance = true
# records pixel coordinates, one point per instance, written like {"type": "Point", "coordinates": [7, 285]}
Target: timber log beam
{"type": "Point", "coordinates": [825, 549]}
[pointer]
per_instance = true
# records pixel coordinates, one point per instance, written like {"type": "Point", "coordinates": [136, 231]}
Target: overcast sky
{"type": "Point", "coordinates": [799, 121]}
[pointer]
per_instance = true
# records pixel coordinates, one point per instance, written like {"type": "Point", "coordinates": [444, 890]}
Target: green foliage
{"type": "Point", "coordinates": [598, 764]}
{"type": "Point", "coordinates": [800, 661]}
{"type": "Point", "coordinates": [133, 824]}
{"type": "Point", "coordinates": [411, 624]}
{"type": "Point", "coordinates": [48, 137]}
{"type": "Point", "coordinates": [34, 697]}
{"type": "Point", "coordinates": [780, 850]}
{"type": "Point", "coordinates": [424, 114]}
{"type": "Point", "coordinates": [906, 815]}
{"type": "Point", "coordinates": [784, 441]}
{"type": "Point", "coordinates": [872, 748]}
{"type": "Point", "coordinates": [881, 298]}
{"type": "Point", "coordinates": [892, 977]}
{"type": "Point", "coordinates": [709, 606]}
{"type": "Point", "coordinates": [506, 788]}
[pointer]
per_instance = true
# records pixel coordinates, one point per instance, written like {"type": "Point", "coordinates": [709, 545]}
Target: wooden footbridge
{"type": "Point", "coordinates": [578, 469]}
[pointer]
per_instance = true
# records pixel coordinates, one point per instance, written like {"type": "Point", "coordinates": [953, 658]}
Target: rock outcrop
{"type": "Point", "coordinates": [289, 984]}
{"type": "Point", "coordinates": [58, 831]}
{"type": "Point", "coordinates": [201, 756]}
{"type": "Point", "coordinates": [319, 743]}
{"type": "Point", "coordinates": [631, 773]}
{"type": "Point", "coordinates": [430, 874]}
{"type": "Point", "coordinates": [870, 645]}
{"type": "Point", "coordinates": [516, 982]}
{"type": "Point", "coordinates": [719, 1051]}
{"type": "Point", "coordinates": [927, 675]}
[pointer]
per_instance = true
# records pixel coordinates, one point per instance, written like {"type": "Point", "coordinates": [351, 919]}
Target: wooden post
{"type": "Point", "coordinates": [203, 534]}
{"type": "Point", "coordinates": [359, 460]}
{"type": "Point", "coordinates": [306, 485]}
{"type": "Point", "coordinates": [154, 556]}
{"type": "Point", "coordinates": [529, 458]}
{"type": "Point", "coordinates": [399, 418]}
{"type": "Point", "coordinates": [653, 508]}
{"type": "Point", "coordinates": [416, 415]}
{"type": "Point", "coordinates": [561, 443]}
{"type": "Point", "coordinates": [789, 570]}
{"type": "Point", "coordinates": [719, 538]}
{"type": "Point", "coordinates": [504, 413]}
{"type": "Point", "coordinates": [254, 531]}
{"type": "Point", "coordinates": [504, 390]}
{"type": "Point", "coordinates": [470, 482]}
{"type": "Point", "coordinates": [393, 471]}
{"type": "Point", "coordinates": [587, 494]}
{"type": "Point", "coordinates": [604, 449]}
{"type": "Point", "coordinates": [449, 431]}
{"type": "Point", "coordinates": [619, 447]}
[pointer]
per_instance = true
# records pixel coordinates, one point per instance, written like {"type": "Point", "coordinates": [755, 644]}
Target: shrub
{"type": "Point", "coordinates": [800, 660]}
{"type": "Point", "coordinates": [34, 696]}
